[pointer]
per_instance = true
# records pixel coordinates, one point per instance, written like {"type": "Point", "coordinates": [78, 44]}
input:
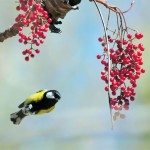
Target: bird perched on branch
{"type": "Point", "coordinates": [58, 9]}
{"type": "Point", "coordinates": [39, 103]}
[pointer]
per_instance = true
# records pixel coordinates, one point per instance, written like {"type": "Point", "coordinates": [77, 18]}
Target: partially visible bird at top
{"type": "Point", "coordinates": [58, 9]}
{"type": "Point", "coordinates": [39, 103]}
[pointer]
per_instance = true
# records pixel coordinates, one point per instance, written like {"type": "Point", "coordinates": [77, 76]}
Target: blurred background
{"type": "Point", "coordinates": [67, 62]}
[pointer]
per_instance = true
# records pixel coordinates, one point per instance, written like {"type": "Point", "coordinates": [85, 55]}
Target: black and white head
{"type": "Point", "coordinates": [73, 2]}
{"type": "Point", "coordinates": [53, 94]}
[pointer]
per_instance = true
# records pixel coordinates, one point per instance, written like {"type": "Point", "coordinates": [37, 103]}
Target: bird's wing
{"type": "Point", "coordinates": [33, 98]}
{"type": "Point", "coordinates": [45, 110]}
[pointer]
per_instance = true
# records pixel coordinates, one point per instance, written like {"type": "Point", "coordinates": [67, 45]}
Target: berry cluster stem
{"type": "Point", "coordinates": [108, 54]}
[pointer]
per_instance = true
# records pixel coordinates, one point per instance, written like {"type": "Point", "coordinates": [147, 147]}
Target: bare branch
{"type": "Point", "coordinates": [114, 8]}
{"type": "Point", "coordinates": [108, 54]}
{"type": "Point", "coordinates": [8, 33]}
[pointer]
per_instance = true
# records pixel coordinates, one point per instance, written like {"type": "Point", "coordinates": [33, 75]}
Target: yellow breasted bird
{"type": "Point", "coordinates": [39, 103]}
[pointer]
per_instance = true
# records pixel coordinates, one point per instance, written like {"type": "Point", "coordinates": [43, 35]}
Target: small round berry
{"type": "Point", "coordinates": [19, 28]}
{"type": "Point", "coordinates": [32, 55]}
{"type": "Point", "coordinates": [103, 72]}
{"type": "Point", "coordinates": [111, 40]}
{"type": "Point", "coordinates": [139, 35]}
{"type": "Point", "coordinates": [29, 51]}
{"type": "Point", "coordinates": [18, 8]}
{"type": "Point", "coordinates": [47, 25]}
{"type": "Point", "coordinates": [103, 62]}
{"type": "Point", "coordinates": [129, 36]}
{"type": "Point", "coordinates": [142, 70]}
{"type": "Point", "coordinates": [132, 98]}
{"type": "Point", "coordinates": [27, 58]}
{"type": "Point", "coordinates": [114, 93]}
{"type": "Point", "coordinates": [50, 20]}
{"type": "Point", "coordinates": [41, 41]}
{"type": "Point", "coordinates": [20, 40]}
{"type": "Point", "coordinates": [24, 52]}
{"type": "Point", "coordinates": [100, 39]}
{"type": "Point", "coordinates": [141, 47]}
{"type": "Point", "coordinates": [111, 50]}
{"type": "Point", "coordinates": [98, 56]}
{"type": "Point", "coordinates": [106, 88]}
{"type": "Point", "coordinates": [125, 42]}
{"type": "Point", "coordinates": [37, 51]}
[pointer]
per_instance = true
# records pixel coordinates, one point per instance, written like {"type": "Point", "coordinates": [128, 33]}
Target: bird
{"type": "Point", "coordinates": [58, 9]}
{"type": "Point", "coordinates": [41, 102]}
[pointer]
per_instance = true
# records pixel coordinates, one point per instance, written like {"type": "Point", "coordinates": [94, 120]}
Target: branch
{"type": "Point", "coordinates": [114, 8]}
{"type": "Point", "coordinates": [108, 53]}
{"type": "Point", "coordinates": [8, 33]}
{"type": "Point", "coordinates": [57, 8]}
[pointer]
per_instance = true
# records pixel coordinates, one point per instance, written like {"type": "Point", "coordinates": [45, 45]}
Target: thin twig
{"type": "Point", "coordinates": [108, 53]}
{"type": "Point", "coordinates": [108, 19]}
{"type": "Point", "coordinates": [114, 8]}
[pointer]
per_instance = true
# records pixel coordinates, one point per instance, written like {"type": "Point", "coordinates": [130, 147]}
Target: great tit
{"type": "Point", "coordinates": [39, 103]}
{"type": "Point", "coordinates": [58, 9]}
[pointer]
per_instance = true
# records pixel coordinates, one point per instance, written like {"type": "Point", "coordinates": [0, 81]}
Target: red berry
{"type": "Point", "coordinates": [141, 47]}
{"type": "Point", "coordinates": [32, 55]}
{"type": "Point", "coordinates": [110, 40]}
{"type": "Point", "coordinates": [37, 51]}
{"type": "Point", "coordinates": [100, 39]}
{"type": "Point", "coordinates": [106, 88]}
{"type": "Point", "coordinates": [18, 8]}
{"type": "Point", "coordinates": [132, 98]}
{"type": "Point", "coordinates": [142, 70]}
{"type": "Point", "coordinates": [50, 20]}
{"type": "Point", "coordinates": [139, 35]}
{"type": "Point", "coordinates": [98, 56]}
{"type": "Point", "coordinates": [27, 58]}
{"type": "Point", "coordinates": [129, 36]}
{"type": "Point", "coordinates": [47, 25]}
{"type": "Point", "coordinates": [103, 72]}
{"type": "Point", "coordinates": [41, 41]}
{"type": "Point", "coordinates": [24, 52]}
{"type": "Point", "coordinates": [103, 77]}
{"type": "Point", "coordinates": [29, 51]}
{"type": "Point", "coordinates": [125, 42]}
{"type": "Point", "coordinates": [20, 40]}
{"type": "Point", "coordinates": [111, 50]}
{"type": "Point", "coordinates": [103, 62]}
{"type": "Point", "coordinates": [113, 93]}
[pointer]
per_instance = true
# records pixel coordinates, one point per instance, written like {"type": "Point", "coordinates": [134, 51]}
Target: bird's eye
{"type": "Point", "coordinates": [50, 95]}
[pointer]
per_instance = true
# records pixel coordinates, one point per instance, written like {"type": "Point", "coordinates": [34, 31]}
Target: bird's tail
{"type": "Point", "coordinates": [17, 117]}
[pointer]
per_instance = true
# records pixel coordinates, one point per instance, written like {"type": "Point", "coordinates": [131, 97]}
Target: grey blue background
{"type": "Point", "coordinates": [68, 63]}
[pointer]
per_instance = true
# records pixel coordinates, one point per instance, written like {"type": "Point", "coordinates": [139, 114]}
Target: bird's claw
{"type": "Point", "coordinates": [57, 22]}
{"type": "Point", "coordinates": [54, 29]}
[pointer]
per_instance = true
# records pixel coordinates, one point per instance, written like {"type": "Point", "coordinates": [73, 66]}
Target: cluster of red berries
{"type": "Point", "coordinates": [125, 68]}
{"type": "Point", "coordinates": [37, 20]}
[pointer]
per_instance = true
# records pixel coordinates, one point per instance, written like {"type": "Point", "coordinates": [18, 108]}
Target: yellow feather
{"type": "Point", "coordinates": [45, 111]}
{"type": "Point", "coordinates": [35, 97]}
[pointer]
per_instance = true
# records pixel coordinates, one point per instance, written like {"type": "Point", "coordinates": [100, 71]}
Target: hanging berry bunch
{"type": "Point", "coordinates": [36, 19]}
{"type": "Point", "coordinates": [125, 68]}
{"type": "Point", "coordinates": [122, 61]}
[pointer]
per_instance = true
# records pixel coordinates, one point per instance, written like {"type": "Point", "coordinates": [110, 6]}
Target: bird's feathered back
{"type": "Point", "coordinates": [57, 8]}
{"type": "Point", "coordinates": [36, 97]}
